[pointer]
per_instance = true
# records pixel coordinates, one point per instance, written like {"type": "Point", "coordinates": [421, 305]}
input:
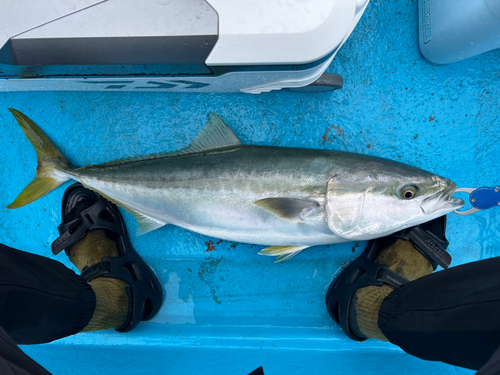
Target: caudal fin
{"type": "Point", "coordinates": [52, 166]}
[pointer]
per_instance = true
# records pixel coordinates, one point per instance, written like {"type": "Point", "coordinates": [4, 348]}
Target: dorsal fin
{"type": "Point", "coordinates": [216, 134]}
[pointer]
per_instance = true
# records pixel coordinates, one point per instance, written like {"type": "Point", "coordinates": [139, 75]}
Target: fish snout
{"type": "Point", "coordinates": [442, 201]}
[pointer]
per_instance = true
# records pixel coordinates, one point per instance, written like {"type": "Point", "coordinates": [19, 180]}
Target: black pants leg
{"type": "Point", "coordinates": [451, 316]}
{"type": "Point", "coordinates": [13, 361]}
{"type": "Point", "coordinates": [40, 299]}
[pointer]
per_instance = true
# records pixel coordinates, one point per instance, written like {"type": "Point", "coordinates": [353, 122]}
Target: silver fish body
{"type": "Point", "coordinates": [214, 193]}
{"type": "Point", "coordinates": [286, 197]}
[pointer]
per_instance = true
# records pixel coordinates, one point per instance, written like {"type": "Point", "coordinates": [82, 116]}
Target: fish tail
{"type": "Point", "coordinates": [52, 168]}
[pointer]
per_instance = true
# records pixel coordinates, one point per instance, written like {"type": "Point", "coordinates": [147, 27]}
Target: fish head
{"type": "Point", "coordinates": [382, 197]}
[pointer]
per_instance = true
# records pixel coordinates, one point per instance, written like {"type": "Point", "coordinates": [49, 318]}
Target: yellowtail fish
{"type": "Point", "coordinates": [289, 198]}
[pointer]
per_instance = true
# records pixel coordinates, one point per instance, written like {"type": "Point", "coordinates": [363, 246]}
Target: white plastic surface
{"type": "Point", "coordinates": [18, 16]}
{"type": "Point", "coordinates": [239, 81]}
{"type": "Point", "coordinates": [455, 30]}
{"type": "Point", "coordinates": [127, 18]}
{"type": "Point", "coordinates": [283, 32]}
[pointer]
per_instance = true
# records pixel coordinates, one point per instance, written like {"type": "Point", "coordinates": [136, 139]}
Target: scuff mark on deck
{"type": "Point", "coordinates": [175, 310]}
{"type": "Point", "coordinates": [205, 274]}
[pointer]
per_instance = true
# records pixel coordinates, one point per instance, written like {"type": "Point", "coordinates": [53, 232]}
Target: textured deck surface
{"type": "Point", "coordinates": [229, 310]}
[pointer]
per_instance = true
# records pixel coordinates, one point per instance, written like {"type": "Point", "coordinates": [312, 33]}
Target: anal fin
{"type": "Point", "coordinates": [146, 223]}
{"type": "Point", "coordinates": [283, 253]}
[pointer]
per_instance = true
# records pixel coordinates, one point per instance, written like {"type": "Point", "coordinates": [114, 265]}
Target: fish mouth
{"type": "Point", "coordinates": [447, 197]}
{"type": "Point", "coordinates": [442, 201]}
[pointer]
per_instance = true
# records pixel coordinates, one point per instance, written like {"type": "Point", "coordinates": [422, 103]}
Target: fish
{"type": "Point", "coordinates": [288, 199]}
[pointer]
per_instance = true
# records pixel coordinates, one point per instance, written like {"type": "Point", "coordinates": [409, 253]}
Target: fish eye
{"type": "Point", "coordinates": [408, 192]}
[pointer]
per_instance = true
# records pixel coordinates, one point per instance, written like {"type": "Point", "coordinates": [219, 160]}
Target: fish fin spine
{"type": "Point", "coordinates": [282, 258]}
{"type": "Point", "coordinates": [146, 224]}
{"type": "Point", "coordinates": [53, 168]}
{"type": "Point", "coordinates": [215, 135]}
{"type": "Point", "coordinates": [283, 253]}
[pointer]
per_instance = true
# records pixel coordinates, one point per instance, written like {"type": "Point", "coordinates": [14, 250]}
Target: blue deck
{"type": "Point", "coordinates": [229, 310]}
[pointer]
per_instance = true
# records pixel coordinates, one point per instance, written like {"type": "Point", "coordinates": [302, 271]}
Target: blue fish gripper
{"type": "Point", "coordinates": [482, 198]}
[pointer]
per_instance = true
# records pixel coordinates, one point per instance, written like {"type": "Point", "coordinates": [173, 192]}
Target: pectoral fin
{"type": "Point", "coordinates": [293, 209]}
{"type": "Point", "coordinates": [282, 252]}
